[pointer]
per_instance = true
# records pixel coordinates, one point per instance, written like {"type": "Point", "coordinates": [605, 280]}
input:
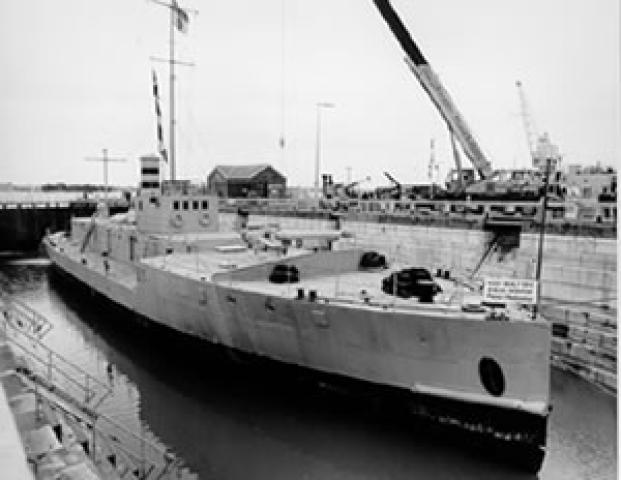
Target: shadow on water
{"type": "Point", "coordinates": [230, 419]}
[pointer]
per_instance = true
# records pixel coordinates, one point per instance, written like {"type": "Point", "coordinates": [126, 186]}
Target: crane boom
{"type": "Point", "coordinates": [457, 158]}
{"type": "Point", "coordinates": [436, 91]}
{"type": "Point", "coordinates": [529, 125]}
{"type": "Point", "coordinates": [392, 179]}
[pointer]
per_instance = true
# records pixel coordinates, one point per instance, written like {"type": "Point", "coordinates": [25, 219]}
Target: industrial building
{"type": "Point", "coordinates": [247, 181]}
{"type": "Point", "coordinates": [591, 182]}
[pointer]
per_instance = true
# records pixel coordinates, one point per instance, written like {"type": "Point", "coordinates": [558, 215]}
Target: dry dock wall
{"type": "Point", "coordinates": [22, 226]}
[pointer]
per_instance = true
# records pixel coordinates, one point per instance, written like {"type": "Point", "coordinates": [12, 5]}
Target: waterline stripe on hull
{"type": "Point", "coordinates": [537, 408]}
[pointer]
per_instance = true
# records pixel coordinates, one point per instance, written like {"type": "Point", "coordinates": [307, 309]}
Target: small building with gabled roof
{"type": "Point", "coordinates": [247, 181]}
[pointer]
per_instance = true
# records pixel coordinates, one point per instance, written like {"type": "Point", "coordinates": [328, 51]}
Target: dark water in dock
{"type": "Point", "coordinates": [227, 423]}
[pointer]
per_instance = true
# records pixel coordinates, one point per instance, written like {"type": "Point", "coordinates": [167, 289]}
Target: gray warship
{"type": "Point", "coordinates": [301, 298]}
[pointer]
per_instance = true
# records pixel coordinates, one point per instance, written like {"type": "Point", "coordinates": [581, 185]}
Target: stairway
{"type": "Point", "coordinates": [55, 404]}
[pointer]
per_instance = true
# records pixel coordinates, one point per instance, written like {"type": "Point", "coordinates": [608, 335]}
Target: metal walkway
{"type": "Point", "coordinates": [67, 401]}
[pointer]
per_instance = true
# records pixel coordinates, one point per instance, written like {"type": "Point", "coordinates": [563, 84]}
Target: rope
{"type": "Point", "coordinates": [281, 140]}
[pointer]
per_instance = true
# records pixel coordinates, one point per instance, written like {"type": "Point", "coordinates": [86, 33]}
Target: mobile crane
{"type": "Point", "coordinates": [492, 184]}
{"type": "Point", "coordinates": [396, 190]}
{"type": "Point", "coordinates": [337, 195]}
{"type": "Point", "coordinates": [436, 91]}
{"type": "Point", "coordinates": [539, 145]}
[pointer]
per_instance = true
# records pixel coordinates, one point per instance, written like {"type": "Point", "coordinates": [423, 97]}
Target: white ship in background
{"type": "Point", "coordinates": [298, 298]}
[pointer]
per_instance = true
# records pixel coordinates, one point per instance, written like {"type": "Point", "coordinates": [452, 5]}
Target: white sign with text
{"type": "Point", "coordinates": [503, 290]}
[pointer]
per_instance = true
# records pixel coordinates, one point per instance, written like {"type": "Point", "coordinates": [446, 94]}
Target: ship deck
{"type": "Point", "coordinates": [204, 264]}
{"type": "Point", "coordinates": [362, 288]}
{"type": "Point", "coordinates": [355, 288]}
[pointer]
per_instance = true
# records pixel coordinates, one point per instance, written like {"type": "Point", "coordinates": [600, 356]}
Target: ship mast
{"type": "Point", "coordinates": [179, 21]}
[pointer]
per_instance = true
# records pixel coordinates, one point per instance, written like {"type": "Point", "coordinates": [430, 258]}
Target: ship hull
{"type": "Point", "coordinates": [514, 433]}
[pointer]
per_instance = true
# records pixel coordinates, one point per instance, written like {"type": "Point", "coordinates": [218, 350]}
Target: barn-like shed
{"type": "Point", "coordinates": [247, 181]}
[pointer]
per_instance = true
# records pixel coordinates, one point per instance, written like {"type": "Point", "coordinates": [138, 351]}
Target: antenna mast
{"type": "Point", "coordinates": [433, 164]}
{"type": "Point", "coordinates": [105, 159]}
{"type": "Point", "coordinates": [178, 20]}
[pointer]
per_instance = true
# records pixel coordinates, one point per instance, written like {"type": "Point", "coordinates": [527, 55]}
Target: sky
{"type": "Point", "coordinates": [77, 79]}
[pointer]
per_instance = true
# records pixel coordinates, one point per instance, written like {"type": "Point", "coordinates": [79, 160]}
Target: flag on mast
{"type": "Point", "coordinates": [158, 113]}
{"type": "Point", "coordinates": [181, 17]}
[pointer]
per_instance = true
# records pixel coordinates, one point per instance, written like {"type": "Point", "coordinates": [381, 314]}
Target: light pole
{"type": "Point", "coordinates": [542, 232]}
{"type": "Point", "coordinates": [319, 106]}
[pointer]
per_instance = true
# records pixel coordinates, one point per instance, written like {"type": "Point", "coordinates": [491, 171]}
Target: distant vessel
{"type": "Point", "coordinates": [296, 297]}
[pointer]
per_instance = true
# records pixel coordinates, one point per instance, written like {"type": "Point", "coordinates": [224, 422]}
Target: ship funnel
{"type": "Point", "coordinates": [149, 172]}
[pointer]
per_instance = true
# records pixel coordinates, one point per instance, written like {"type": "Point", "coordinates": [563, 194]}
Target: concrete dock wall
{"type": "Point", "coordinates": [13, 461]}
{"type": "Point", "coordinates": [22, 226]}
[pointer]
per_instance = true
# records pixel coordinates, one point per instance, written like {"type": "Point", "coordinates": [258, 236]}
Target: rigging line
{"type": "Point", "coordinates": [282, 83]}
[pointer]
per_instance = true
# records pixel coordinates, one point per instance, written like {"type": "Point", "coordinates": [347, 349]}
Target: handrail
{"type": "Point", "coordinates": [167, 459]}
{"type": "Point", "coordinates": [161, 450]}
{"type": "Point", "coordinates": [169, 463]}
{"type": "Point", "coordinates": [152, 458]}
{"type": "Point", "coordinates": [47, 358]}
{"type": "Point", "coordinates": [47, 363]}
{"type": "Point", "coordinates": [63, 359]}
{"type": "Point", "coordinates": [38, 323]}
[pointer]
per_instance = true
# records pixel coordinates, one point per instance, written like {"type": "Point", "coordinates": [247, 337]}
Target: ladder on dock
{"type": "Point", "coordinates": [25, 329]}
{"type": "Point", "coordinates": [116, 451]}
{"type": "Point", "coordinates": [24, 318]}
{"type": "Point", "coordinates": [75, 396]}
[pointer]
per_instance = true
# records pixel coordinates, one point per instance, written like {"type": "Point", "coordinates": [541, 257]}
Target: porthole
{"type": "Point", "coordinates": [491, 376]}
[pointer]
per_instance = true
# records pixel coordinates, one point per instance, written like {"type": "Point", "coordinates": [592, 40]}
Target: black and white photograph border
{"type": "Point", "coordinates": [320, 240]}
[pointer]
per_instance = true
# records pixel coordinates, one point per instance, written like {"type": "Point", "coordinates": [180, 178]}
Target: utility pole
{"type": "Point", "coordinates": [542, 231]}
{"type": "Point", "coordinates": [178, 20]}
{"type": "Point", "coordinates": [348, 169]}
{"type": "Point", "coordinates": [105, 159]}
{"type": "Point", "coordinates": [319, 106]}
